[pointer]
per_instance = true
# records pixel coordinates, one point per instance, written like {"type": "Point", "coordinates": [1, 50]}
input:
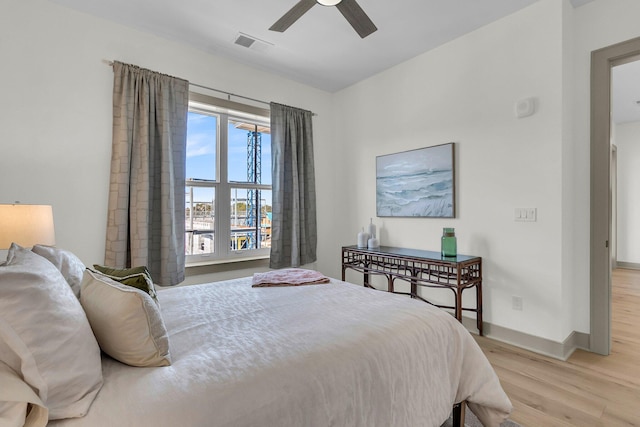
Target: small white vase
{"type": "Point", "coordinates": [362, 239]}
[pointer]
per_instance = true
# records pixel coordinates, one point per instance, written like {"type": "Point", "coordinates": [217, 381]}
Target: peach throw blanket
{"type": "Point", "coordinates": [288, 277]}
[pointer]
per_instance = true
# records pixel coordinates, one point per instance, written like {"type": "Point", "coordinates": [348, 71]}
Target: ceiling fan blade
{"type": "Point", "coordinates": [356, 17]}
{"type": "Point", "coordinates": [292, 15]}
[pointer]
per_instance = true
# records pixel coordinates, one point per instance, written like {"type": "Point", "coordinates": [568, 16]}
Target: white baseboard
{"type": "Point", "coordinates": [557, 350]}
{"type": "Point", "coordinates": [629, 265]}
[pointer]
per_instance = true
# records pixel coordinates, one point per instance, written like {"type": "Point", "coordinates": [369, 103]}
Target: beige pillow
{"type": "Point", "coordinates": [19, 405]}
{"type": "Point", "coordinates": [45, 336]}
{"type": "Point", "coordinates": [125, 320]}
{"type": "Point", "coordinates": [69, 265]}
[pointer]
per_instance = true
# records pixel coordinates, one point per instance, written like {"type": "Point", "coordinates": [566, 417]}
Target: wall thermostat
{"type": "Point", "coordinates": [525, 107]}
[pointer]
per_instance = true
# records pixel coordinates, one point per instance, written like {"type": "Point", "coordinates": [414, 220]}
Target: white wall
{"type": "Point", "coordinates": [465, 92]}
{"type": "Point", "coordinates": [627, 141]}
{"type": "Point", "coordinates": [55, 113]}
{"type": "Point", "coordinates": [569, 212]}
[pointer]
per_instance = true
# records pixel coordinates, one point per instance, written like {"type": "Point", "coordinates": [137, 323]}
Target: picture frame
{"type": "Point", "coordinates": [417, 183]}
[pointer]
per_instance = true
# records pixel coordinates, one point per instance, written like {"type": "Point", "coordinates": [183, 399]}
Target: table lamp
{"type": "Point", "coordinates": [26, 225]}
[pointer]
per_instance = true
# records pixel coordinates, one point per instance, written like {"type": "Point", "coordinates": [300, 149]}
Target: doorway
{"type": "Point", "coordinates": [625, 159]}
{"type": "Point", "coordinates": [602, 62]}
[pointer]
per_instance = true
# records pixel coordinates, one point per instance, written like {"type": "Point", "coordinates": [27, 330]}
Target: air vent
{"type": "Point", "coordinates": [245, 40]}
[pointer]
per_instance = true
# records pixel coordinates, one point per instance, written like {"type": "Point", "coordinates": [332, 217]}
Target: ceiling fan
{"type": "Point", "coordinates": [349, 8]}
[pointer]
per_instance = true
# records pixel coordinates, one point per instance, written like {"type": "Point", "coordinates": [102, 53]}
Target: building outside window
{"type": "Point", "coordinates": [228, 181]}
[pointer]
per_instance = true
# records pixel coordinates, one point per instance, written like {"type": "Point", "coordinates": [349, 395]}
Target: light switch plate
{"type": "Point", "coordinates": [525, 214]}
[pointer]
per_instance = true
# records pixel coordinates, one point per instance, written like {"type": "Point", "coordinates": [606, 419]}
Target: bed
{"type": "Point", "coordinates": [332, 354]}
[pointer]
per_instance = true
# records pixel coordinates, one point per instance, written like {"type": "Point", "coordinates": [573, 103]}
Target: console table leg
{"type": "Point", "coordinates": [479, 307]}
{"type": "Point", "coordinates": [459, 304]}
{"type": "Point", "coordinates": [458, 414]}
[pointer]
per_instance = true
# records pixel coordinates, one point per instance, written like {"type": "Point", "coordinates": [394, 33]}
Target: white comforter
{"type": "Point", "coordinates": [332, 354]}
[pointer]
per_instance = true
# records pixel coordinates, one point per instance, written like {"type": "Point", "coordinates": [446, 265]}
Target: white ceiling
{"type": "Point", "coordinates": [321, 49]}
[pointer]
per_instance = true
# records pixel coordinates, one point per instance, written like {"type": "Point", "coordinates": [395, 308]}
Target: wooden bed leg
{"type": "Point", "coordinates": [458, 414]}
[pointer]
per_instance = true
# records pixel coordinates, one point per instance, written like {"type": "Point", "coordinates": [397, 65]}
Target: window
{"type": "Point", "coordinates": [228, 181]}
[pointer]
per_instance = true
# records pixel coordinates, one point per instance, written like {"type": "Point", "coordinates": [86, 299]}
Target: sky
{"type": "Point", "coordinates": [201, 154]}
{"type": "Point", "coordinates": [201, 150]}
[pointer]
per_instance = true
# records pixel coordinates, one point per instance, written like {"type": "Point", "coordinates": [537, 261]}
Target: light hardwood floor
{"type": "Point", "coordinates": [587, 389]}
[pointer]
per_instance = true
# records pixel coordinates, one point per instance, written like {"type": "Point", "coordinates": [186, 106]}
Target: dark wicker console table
{"type": "Point", "coordinates": [420, 268]}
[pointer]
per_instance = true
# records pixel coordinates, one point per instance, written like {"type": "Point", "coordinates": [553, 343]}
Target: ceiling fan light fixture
{"type": "Point", "coordinates": [328, 2]}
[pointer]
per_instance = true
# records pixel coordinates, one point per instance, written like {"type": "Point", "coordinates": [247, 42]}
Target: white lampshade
{"type": "Point", "coordinates": [328, 2]}
{"type": "Point", "coordinates": [26, 225]}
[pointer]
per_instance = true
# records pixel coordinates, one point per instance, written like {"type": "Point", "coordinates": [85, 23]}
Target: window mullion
{"type": "Point", "coordinates": [223, 197]}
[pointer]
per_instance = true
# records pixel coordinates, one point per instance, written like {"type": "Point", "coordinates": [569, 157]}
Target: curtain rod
{"type": "Point", "coordinates": [229, 94]}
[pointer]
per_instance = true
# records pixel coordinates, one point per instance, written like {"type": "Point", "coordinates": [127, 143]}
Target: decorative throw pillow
{"type": "Point", "coordinates": [45, 336]}
{"type": "Point", "coordinates": [125, 320]}
{"type": "Point", "coordinates": [69, 265]}
{"type": "Point", "coordinates": [19, 405]}
{"type": "Point", "coordinates": [138, 277]}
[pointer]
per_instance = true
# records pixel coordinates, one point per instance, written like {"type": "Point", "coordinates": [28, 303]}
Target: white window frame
{"type": "Point", "coordinates": [224, 111]}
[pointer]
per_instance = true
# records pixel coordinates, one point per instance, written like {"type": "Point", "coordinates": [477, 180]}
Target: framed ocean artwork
{"type": "Point", "coordinates": [417, 183]}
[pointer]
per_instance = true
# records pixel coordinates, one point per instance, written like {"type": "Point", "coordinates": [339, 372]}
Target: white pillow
{"type": "Point", "coordinates": [19, 405]}
{"type": "Point", "coordinates": [69, 265]}
{"type": "Point", "coordinates": [125, 320]}
{"type": "Point", "coordinates": [45, 336]}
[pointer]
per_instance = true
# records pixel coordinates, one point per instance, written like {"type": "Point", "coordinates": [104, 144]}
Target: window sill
{"type": "Point", "coordinates": [222, 269]}
{"type": "Point", "coordinates": [218, 261]}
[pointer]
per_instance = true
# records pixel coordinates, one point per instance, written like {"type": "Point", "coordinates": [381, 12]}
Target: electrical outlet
{"type": "Point", "coordinates": [516, 303]}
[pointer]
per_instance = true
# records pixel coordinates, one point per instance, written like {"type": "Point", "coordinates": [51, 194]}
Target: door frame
{"type": "Point", "coordinates": [602, 60]}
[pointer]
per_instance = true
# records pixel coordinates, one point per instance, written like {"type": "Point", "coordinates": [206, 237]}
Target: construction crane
{"type": "Point", "coordinates": [254, 175]}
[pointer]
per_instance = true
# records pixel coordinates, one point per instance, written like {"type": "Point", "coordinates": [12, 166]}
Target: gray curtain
{"type": "Point", "coordinates": [146, 218]}
{"type": "Point", "coordinates": [293, 227]}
